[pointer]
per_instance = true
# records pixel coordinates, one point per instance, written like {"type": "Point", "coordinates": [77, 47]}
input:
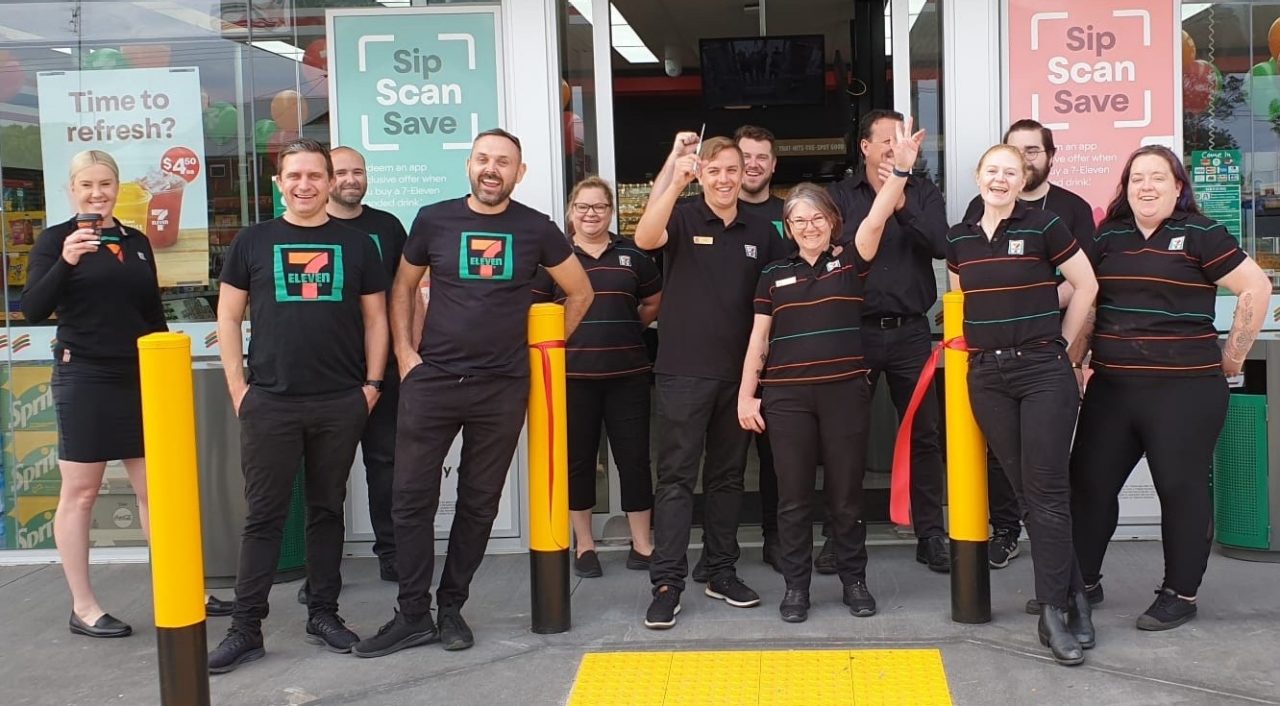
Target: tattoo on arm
{"type": "Point", "coordinates": [1240, 339]}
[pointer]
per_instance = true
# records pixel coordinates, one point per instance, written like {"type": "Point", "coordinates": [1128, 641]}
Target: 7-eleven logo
{"type": "Point", "coordinates": [485, 256]}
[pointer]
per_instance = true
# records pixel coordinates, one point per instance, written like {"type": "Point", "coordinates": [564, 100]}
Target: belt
{"type": "Point", "coordinates": [889, 322]}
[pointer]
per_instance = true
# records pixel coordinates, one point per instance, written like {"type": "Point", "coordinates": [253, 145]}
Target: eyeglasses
{"type": "Point", "coordinates": [801, 223]}
{"type": "Point", "coordinates": [597, 208]}
{"type": "Point", "coordinates": [1032, 152]}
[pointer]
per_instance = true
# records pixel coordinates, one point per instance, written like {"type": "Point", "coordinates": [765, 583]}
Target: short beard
{"type": "Point", "coordinates": [748, 190]}
{"type": "Point", "coordinates": [1037, 178]}
{"type": "Point", "coordinates": [501, 197]}
{"type": "Point", "coordinates": [337, 196]}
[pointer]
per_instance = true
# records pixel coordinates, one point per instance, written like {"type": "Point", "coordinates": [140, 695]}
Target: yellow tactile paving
{"type": "Point", "coordinates": [763, 678]}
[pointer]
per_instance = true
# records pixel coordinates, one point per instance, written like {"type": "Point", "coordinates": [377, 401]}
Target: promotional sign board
{"type": "Point", "coordinates": [1103, 75]}
{"type": "Point", "coordinates": [149, 121]}
{"type": "Point", "coordinates": [410, 89]}
{"type": "Point", "coordinates": [1217, 177]}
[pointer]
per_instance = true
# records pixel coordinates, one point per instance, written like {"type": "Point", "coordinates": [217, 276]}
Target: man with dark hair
{"type": "Point", "coordinates": [1035, 141]}
{"type": "Point", "coordinates": [469, 372]}
{"type": "Point", "coordinates": [713, 252]}
{"type": "Point", "coordinates": [900, 289]}
{"type": "Point", "coordinates": [315, 291]}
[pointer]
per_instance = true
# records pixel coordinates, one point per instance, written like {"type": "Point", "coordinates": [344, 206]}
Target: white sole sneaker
{"type": "Point", "coordinates": [653, 625]}
{"type": "Point", "coordinates": [730, 601]}
{"type": "Point", "coordinates": [1007, 559]}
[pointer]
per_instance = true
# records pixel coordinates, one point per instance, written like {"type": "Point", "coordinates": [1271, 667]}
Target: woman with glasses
{"type": "Point", "coordinates": [806, 352]}
{"type": "Point", "coordinates": [607, 367]}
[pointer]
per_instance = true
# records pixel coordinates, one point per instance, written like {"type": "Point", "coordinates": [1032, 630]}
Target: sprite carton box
{"type": "Point", "coordinates": [26, 399]}
{"type": "Point", "coordinates": [31, 463]}
{"type": "Point", "coordinates": [29, 524]}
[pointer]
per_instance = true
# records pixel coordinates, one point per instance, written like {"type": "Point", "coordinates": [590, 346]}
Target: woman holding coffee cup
{"type": "Point", "coordinates": [99, 277]}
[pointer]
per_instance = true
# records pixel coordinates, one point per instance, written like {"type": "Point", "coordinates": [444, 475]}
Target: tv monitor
{"type": "Point", "coordinates": [757, 71]}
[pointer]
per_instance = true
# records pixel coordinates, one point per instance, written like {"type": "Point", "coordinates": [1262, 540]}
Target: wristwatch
{"type": "Point", "coordinates": [899, 173]}
{"type": "Point", "coordinates": [375, 384]}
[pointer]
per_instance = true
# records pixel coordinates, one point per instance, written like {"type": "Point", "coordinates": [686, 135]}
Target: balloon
{"type": "Point", "coordinates": [289, 110]}
{"type": "Point", "coordinates": [317, 54]}
{"type": "Point", "coordinates": [105, 59]}
{"type": "Point", "coordinates": [262, 132]}
{"type": "Point", "coordinates": [1188, 48]}
{"type": "Point", "coordinates": [221, 121]}
{"type": "Point", "coordinates": [1273, 38]}
{"type": "Point", "coordinates": [1200, 84]}
{"type": "Point", "coordinates": [146, 56]}
{"type": "Point", "coordinates": [11, 76]}
{"type": "Point", "coordinates": [566, 93]}
{"type": "Point", "coordinates": [1264, 89]}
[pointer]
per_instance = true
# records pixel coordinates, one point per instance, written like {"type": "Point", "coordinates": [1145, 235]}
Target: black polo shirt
{"type": "Point", "coordinates": [710, 272]}
{"type": "Point", "coordinates": [770, 209]}
{"type": "Point", "coordinates": [482, 266]}
{"type": "Point", "coordinates": [386, 231]}
{"type": "Point", "coordinates": [901, 281]}
{"type": "Point", "coordinates": [1010, 291]}
{"type": "Point", "coordinates": [1156, 296]}
{"type": "Point", "coordinates": [1076, 213]}
{"type": "Point", "coordinates": [817, 316]}
{"type": "Point", "coordinates": [607, 343]}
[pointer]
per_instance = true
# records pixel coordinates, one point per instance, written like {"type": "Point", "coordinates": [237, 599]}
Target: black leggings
{"type": "Point", "coordinates": [1175, 422]}
{"type": "Point", "coordinates": [622, 405]}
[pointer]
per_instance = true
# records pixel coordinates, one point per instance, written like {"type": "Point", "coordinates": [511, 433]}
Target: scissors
{"type": "Point", "coordinates": [698, 150]}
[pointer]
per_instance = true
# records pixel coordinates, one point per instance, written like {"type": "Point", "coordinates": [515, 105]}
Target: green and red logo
{"type": "Point", "coordinates": [308, 273]}
{"type": "Point", "coordinates": [211, 339]}
{"type": "Point", "coordinates": [485, 256]}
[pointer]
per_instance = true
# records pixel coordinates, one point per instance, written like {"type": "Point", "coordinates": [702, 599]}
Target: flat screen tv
{"type": "Point", "coordinates": [757, 71]}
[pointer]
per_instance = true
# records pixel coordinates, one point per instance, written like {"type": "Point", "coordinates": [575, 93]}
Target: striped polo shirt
{"type": "Point", "coordinates": [1156, 296]}
{"type": "Point", "coordinates": [1010, 292]}
{"type": "Point", "coordinates": [817, 311]}
{"type": "Point", "coordinates": [607, 343]}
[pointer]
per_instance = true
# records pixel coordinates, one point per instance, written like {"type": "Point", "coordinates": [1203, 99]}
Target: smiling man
{"type": "Point", "coordinates": [469, 373]}
{"type": "Point", "coordinates": [713, 253]}
{"type": "Point", "coordinates": [314, 288]}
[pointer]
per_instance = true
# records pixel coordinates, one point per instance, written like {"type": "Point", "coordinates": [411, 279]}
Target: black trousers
{"type": "Point", "coordinates": [827, 423]}
{"type": "Point", "coordinates": [1025, 401]}
{"type": "Point", "coordinates": [900, 354]}
{"type": "Point", "coordinates": [768, 485]}
{"type": "Point", "coordinates": [378, 447]}
{"type": "Point", "coordinates": [622, 405]}
{"type": "Point", "coordinates": [1175, 422]}
{"type": "Point", "coordinates": [1002, 504]}
{"type": "Point", "coordinates": [277, 435]}
{"type": "Point", "coordinates": [694, 413]}
{"type": "Point", "coordinates": [434, 406]}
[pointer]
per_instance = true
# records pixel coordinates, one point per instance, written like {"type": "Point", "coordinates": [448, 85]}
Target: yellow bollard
{"type": "Point", "coordinates": [548, 471]}
{"type": "Point", "coordinates": [177, 557]}
{"type": "Point", "coordinates": [966, 480]}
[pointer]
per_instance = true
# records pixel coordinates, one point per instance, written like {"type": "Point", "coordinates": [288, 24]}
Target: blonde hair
{"type": "Point", "coordinates": [816, 198]}
{"type": "Point", "coordinates": [88, 158]}
{"type": "Point", "coordinates": [715, 146]}
{"type": "Point", "coordinates": [592, 182]}
{"type": "Point", "coordinates": [1017, 154]}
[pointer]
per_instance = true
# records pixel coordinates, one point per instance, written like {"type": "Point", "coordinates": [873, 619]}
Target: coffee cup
{"type": "Point", "coordinates": [92, 221]}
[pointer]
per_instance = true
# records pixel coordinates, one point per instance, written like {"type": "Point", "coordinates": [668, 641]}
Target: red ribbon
{"type": "Point", "coordinates": [900, 484]}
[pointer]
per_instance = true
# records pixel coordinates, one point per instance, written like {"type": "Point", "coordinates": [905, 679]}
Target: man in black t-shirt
{"type": "Point", "coordinates": [470, 373]}
{"type": "Point", "coordinates": [315, 292]}
{"type": "Point", "coordinates": [713, 253]}
{"type": "Point", "coordinates": [1035, 141]}
{"type": "Point", "coordinates": [378, 445]}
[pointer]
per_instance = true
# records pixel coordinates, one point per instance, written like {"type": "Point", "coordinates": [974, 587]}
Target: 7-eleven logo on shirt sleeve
{"type": "Point", "coordinates": [485, 256]}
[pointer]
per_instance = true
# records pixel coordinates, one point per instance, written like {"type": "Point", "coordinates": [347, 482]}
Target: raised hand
{"type": "Point", "coordinates": [906, 145]}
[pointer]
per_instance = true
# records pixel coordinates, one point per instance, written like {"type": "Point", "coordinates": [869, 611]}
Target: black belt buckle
{"type": "Point", "coordinates": [889, 322]}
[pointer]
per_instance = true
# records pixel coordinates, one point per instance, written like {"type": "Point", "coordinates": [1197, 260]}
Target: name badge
{"type": "Point", "coordinates": [750, 250]}
{"type": "Point", "coordinates": [1016, 247]}
{"type": "Point", "coordinates": [832, 265]}
{"type": "Point", "coordinates": [784, 282]}
{"type": "Point", "coordinates": [703, 240]}
{"type": "Point", "coordinates": [1177, 243]}
{"type": "Point", "coordinates": [624, 260]}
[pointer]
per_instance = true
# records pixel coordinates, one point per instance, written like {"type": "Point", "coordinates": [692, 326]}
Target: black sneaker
{"type": "Point", "coordinates": [732, 591]}
{"type": "Point", "coordinates": [795, 605]}
{"type": "Point", "coordinates": [637, 561]}
{"type": "Point", "coordinates": [664, 608]}
{"type": "Point", "coordinates": [399, 633]}
{"type": "Point", "coordinates": [1167, 612]}
{"type": "Point", "coordinates": [859, 599]}
{"type": "Point", "coordinates": [328, 629]}
{"type": "Point", "coordinates": [239, 646]}
{"type": "Point", "coordinates": [455, 634]}
{"type": "Point", "coordinates": [771, 552]}
{"type": "Point", "coordinates": [387, 569]}
{"type": "Point", "coordinates": [934, 553]}
{"type": "Point", "coordinates": [1002, 547]}
{"type": "Point", "coordinates": [587, 565]}
{"type": "Point", "coordinates": [700, 574]}
{"type": "Point", "coordinates": [825, 563]}
{"type": "Point", "coordinates": [1093, 593]}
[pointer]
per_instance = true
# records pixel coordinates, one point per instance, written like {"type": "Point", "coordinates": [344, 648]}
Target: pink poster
{"type": "Point", "coordinates": [1102, 75]}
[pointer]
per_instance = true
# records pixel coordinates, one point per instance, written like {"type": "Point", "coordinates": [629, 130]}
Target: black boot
{"type": "Point", "coordinates": [1080, 619]}
{"type": "Point", "coordinates": [1055, 635]}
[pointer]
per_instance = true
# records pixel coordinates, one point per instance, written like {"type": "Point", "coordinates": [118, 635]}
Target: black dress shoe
{"type": "Point", "coordinates": [795, 605]}
{"type": "Point", "coordinates": [215, 607]}
{"type": "Point", "coordinates": [387, 569]}
{"type": "Point", "coordinates": [825, 562]}
{"type": "Point", "coordinates": [106, 626]}
{"type": "Point", "coordinates": [934, 553]}
{"type": "Point", "coordinates": [1080, 619]}
{"type": "Point", "coordinates": [1055, 635]}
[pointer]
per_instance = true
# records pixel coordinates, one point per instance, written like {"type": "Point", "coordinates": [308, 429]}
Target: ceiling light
{"type": "Point", "coordinates": [279, 48]}
{"type": "Point", "coordinates": [625, 41]}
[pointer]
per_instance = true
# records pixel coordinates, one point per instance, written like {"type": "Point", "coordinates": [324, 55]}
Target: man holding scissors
{"type": "Point", "coordinates": [713, 254]}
